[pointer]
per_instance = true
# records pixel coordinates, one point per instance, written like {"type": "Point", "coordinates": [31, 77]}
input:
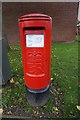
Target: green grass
{"type": "Point", "coordinates": [64, 70]}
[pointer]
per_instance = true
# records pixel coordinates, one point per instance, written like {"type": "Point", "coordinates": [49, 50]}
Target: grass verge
{"type": "Point", "coordinates": [64, 88]}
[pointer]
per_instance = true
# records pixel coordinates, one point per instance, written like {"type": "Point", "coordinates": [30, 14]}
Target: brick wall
{"type": "Point", "coordinates": [64, 17]}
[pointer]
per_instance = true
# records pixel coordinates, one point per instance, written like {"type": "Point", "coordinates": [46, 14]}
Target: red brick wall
{"type": "Point", "coordinates": [64, 18]}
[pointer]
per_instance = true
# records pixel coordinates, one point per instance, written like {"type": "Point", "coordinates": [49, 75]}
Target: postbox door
{"type": "Point", "coordinates": [35, 56]}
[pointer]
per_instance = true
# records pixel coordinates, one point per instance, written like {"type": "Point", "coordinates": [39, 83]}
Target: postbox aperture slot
{"type": "Point", "coordinates": [35, 40]}
{"type": "Point", "coordinates": [34, 28]}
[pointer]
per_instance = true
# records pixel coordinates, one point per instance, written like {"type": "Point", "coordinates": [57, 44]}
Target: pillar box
{"type": "Point", "coordinates": [35, 39]}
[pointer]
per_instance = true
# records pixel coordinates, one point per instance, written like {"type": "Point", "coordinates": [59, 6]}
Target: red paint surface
{"type": "Point", "coordinates": [36, 60]}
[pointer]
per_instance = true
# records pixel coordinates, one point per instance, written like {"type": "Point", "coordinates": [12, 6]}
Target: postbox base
{"type": "Point", "coordinates": [37, 97]}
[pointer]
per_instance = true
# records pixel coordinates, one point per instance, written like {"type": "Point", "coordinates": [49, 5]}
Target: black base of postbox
{"type": "Point", "coordinates": [37, 97]}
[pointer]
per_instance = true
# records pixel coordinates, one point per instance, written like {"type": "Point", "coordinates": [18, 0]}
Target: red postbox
{"type": "Point", "coordinates": [35, 39]}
